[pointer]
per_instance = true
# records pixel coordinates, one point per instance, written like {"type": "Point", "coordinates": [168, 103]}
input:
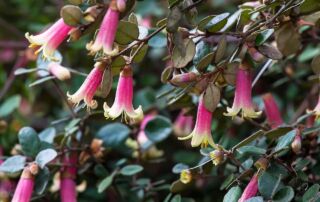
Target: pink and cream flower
{"type": "Point", "coordinates": [123, 100]}
{"type": "Point", "coordinates": [272, 111]}
{"type": "Point", "coordinates": [183, 124]}
{"type": "Point", "coordinates": [50, 39]}
{"type": "Point", "coordinates": [242, 99]}
{"type": "Point", "coordinates": [68, 192]}
{"type": "Point", "coordinates": [201, 134]}
{"type": "Point", "coordinates": [316, 110]}
{"type": "Point", "coordinates": [251, 189]}
{"type": "Point", "coordinates": [89, 87]}
{"type": "Point", "coordinates": [108, 29]}
{"type": "Point", "coordinates": [59, 71]}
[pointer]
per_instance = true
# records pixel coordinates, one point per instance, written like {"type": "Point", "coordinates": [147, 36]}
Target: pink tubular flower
{"type": "Point", "coordinates": [316, 110]}
{"type": "Point", "coordinates": [68, 191]}
{"type": "Point", "coordinates": [242, 98]}
{"type": "Point", "coordinates": [183, 124]}
{"type": "Point", "coordinates": [89, 87]}
{"type": "Point", "coordinates": [59, 71]}
{"type": "Point", "coordinates": [108, 29]}
{"type": "Point", "coordinates": [50, 39]}
{"type": "Point", "coordinates": [272, 111]}
{"type": "Point", "coordinates": [251, 189]}
{"type": "Point", "coordinates": [201, 134]}
{"type": "Point", "coordinates": [24, 188]}
{"type": "Point", "coordinates": [123, 100]}
{"type": "Point", "coordinates": [142, 137]}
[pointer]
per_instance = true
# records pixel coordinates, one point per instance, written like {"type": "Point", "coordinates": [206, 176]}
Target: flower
{"type": "Point", "coordinates": [68, 191]}
{"type": "Point", "coordinates": [50, 39]}
{"type": "Point", "coordinates": [201, 134]}
{"type": "Point", "coordinates": [272, 111]}
{"type": "Point", "coordinates": [242, 98]}
{"type": "Point", "coordinates": [59, 71]}
{"type": "Point", "coordinates": [183, 124]}
{"type": "Point", "coordinates": [185, 176]}
{"type": "Point", "coordinates": [89, 87]}
{"type": "Point", "coordinates": [217, 156]}
{"type": "Point", "coordinates": [108, 29]}
{"type": "Point", "coordinates": [123, 100]}
{"type": "Point", "coordinates": [251, 189]}
{"type": "Point", "coordinates": [316, 110]}
{"type": "Point", "coordinates": [25, 186]}
{"type": "Point", "coordinates": [296, 144]}
{"type": "Point", "coordinates": [142, 137]}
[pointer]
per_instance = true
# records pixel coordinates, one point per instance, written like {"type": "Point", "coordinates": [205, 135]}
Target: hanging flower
{"type": "Point", "coordinates": [251, 189]}
{"type": "Point", "coordinates": [316, 110]}
{"type": "Point", "coordinates": [89, 87]}
{"type": "Point", "coordinates": [183, 124]}
{"type": "Point", "coordinates": [68, 191]}
{"type": "Point", "coordinates": [50, 39]}
{"type": "Point", "coordinates": [59, 71]}
{"type": "Point", "coordinates": [201, 134]}
{"type": "Point", "coordinates": [25, 185]}
{"type": "Point", "coordinates": [272, 111]}
{"type": "Point", "coordinates": [123, 100]}
{"type": "Point", "coordinates": [242, 98]}
{"type": "Point", "coordinates": [107, 32]}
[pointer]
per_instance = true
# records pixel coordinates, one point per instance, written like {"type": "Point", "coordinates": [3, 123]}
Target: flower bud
{"type": "Point", "coordinates": [217, 156]}
{"type": "Point", "coordinates": [296, 144]}
{"type": "Point", "coordinates": [185, 176]}
{"type": "Point", "coordinates": [34, 168]}
{"type": "Point", "coordinates": [185, 78]}
{"type": "Point", "coordinates": [59, 71]}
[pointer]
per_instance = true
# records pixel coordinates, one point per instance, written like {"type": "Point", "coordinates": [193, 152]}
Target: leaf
{"type": "Point", "coordinates": [212, 97]}
{"type": "Point", "coordinates": [173, 2]}
{"type": "Point", "coordinates": [114, 134]}
{"type": "Point", "coordinates": [251, 150]}
{"type": "Point", "coordinates": [263, 36]}
{"type": "Point", "coordinates": [13, 164]}
{"type": "Point", "coordinates": [203, 23]}
{"type": "Point", "coordinates": [284, 141]}
{"type": "Point", "coordinates": [42, 80]}
{"type": "Point", "coordinates": [249, 139]}
{"type": "Point", "coordinates": [173, 19]}
{"type": "Point", "coordinates": [278, 132]}
{"type": "Point", "coordinates": [284, 194]}
{"type": "Point", "coordinates": [182, 59]}
{"type": "Point", "coordinates": [126, 33]}
{"type": "Point", "coordinates": [230, 73]}
{"type": "Point", "coordinates": [205, 62]}
{"type": "Point", "coordinates": [255, 199]}
{"type": "Point", "coordinates": [41, 180]}
{"type": "Point", "coordinates": [29, 141]}
{"type": "Point", "coordinates": [130, 170]}
{"type": "Point", "coordinates": [231, 20]}
{"type": "Point", "coordinates": [105, 183]}
{"type": "Point", "coordinates": [217, 23]}
{"type": "Point", "coordinates": [158, 128]}
{"type": "Point", "coordinates": [232, 195]}
{"type": "Point", "coordinates": [10, 105]}
{"type": "Point", "coordinates": [268, 184]}
{"type": "Point", "coordinates": [288, 34]}
{"type": "Point", "coordinates": [106, 83]}
{"type": "Point", "coordinates": [270, 52]}
{"type": "Point", "coordinates": [117, 64]}
{"type": "Point", "coordinates": [176, 198]}
{"type": "Point", "coordinates": [45, 156]}
{"type": "Point", "coordinates": [177, 186]}
{"type": "Point", "coordinates": [315, 65]}
{"type": "Point", "coordinates": [141, 54]}
{"type": "Point", "coordinates": [158, 41]}
{"type": "Point", "coordinates": [72, 15]}
{"type": "Point", "coordinates": [221, 49]}
{"type": "Point", "coordinates": [133, 18]}
{"type": "Point", "coordinates": [48, 135]}
{"type": "Point", "coordinates": [311, 194]}
{"type": "Point", "coordinates": [179, 167]}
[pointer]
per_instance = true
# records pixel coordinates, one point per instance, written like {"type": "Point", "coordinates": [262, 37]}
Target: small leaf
{"type": "Point", "coordinates": [131, 170]}
{"type": "Point", "coordinates": [158, 128]}
{"type": "Point", "coordinates": [126, 33]}
{"type": "Point", "coordinates": [278, 132]}
{"type": "Point", "coordinates": [141, 54]}
{"type": "Point", "coordinates": [179, 167]}
{"type": "Point", "coordinates": [311, 194]}
{"type": "Point", "coordinates": [106, 83]}
{"type": "Point", "coordinates": [10, 105]}
{"type": "Point", "coordinates": [176, 198]}
{"type": "Point", "coordinates": [21, 71]}
{"type": "Point", "coordinates": [114, 134]}
{"type": "Point", "coordinates": [41, 181]}
{"type": "Point", "coordinates": [42, 80]}
{"type": "Point", "coordinates": [105, 183]}
{"type": "Point", "coordinates": [133, 18]}
{"type": "Point", "coordinates": [29, 141]}
{"type": "Point", "coordinates": [205, 62]}
{"type": "Point", "coordinates": [182, 59]}
{"type": "Point", "coordinates": [221, 49]}
{"type": "Point", "coordinates": [284, 194]}
{"type": "Point", "coordinates": [286, 140]}
{"type": "Point", "coordinates": [13, 164]}
{"type": "Point", "coordinates": [263, 36]}
{"type": "Point", "coordinates": [217, 23]}
{"type": "Point", "coordinates": [230, 73]}
{"type": "Point", "coordinates": [232, 195]}
{"type": "Point", "coordinates": [288, 34]}
{"type": "Point", "coordinates": [249, 139]}
{"type": "Point", "coordinates": [45, 156]}
{"type": "Point", "coordinates": [251, 150]}
{"type": "Point", "coordinates": [158, 41]}
{"type": "Point", "coordinates": [72, 15]}
{"type": "Point", "coordinates": [255, 199]}
{"type": "Point", "coordinates": [212, 97]}
{"type": "Point", "coordinates": [117, 64]}
{"type": "Point", "coordinates": [173, 19]}
{"type": "Point", "coordinates": [48, 135]}
{"type": "Point", "coordinates": [270, 52]}
{"type": "Point", "coordinates": [315, 65]}
{"type": "Point", "coordinates": [268, 184]}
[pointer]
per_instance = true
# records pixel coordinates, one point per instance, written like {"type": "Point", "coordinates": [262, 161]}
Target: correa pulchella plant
{"type": "Point", "coordinates": [241, 90]}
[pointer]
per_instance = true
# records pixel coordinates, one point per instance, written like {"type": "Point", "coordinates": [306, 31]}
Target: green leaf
{"type": "Point", "coordinates": [233, 194]}
{"type": "Point", "coordinates": [42, 80]}
{"type": "Point", "coordinates": [212, 97]}
{"type": "Point", "coordinates": [270, 52]}
{"type": "Point", "coordinates": [284, 141]}
{"type": "Point", "coordinates": [13, 164]}
{"type": "Point", "coordinates": [10, 105]}
{"type": "Point", "coordinates": [72, 15]}
{"type": "Point", "coordinates": [278, 132]}
{"type": "Point", "coordinates": [251, 150]}
{"type": "Point", "coordinates": [255, 199]}
{"type": "Point", "coordinates": [284, 194]}
{"type": "Point", "coordinates": [179, 167]}
{"type": "Point", "coordinates": [106, 83]}
{"type": "Point", "coordinates": [231, 20]}
{"type": "Point", "coordinates": [45, 156]}
{"type": "Point", "coordinates": [141, 54]}
{"type": "Point", "coordinates": [126, 33]}
{"type": "Point", "coordinates": [288, 34]}
{"type": "Point", "coordinates": [48, 135]}
{"type": "Point", "coordinates": [41, 180]}
{"type": "Point", "coordinates": [268, 185]}
{"type": "Point", "coordinates": [174, 19]}
{"type": "Point", "coordinates": [117, 64]}
{"type": "Point", "coordinates": [311, 194]}
{"type": "Point", "coordinates": [263, 36]}
{"type": "Point", "coordinates": [173, 2]}
{"type": "Point", "coordinates": [205, 62]}
{"type": "Point", "coordinates": [176, 198]}
{"type": "Point", "coordinates": [114, 134]}
{"type": "Point", "coordinates": [217, 23]}
{"type": "Point", "coordinates": [105, 183]}
{"type": "Point", "coordinates": [315, 65]}
{"type": "Point", "coordinates": [249, 139]}
{"type": "Point", "coordinates": [221, 49]}
{"type": "Point", "coordinates": [131, 170]}
{"type": "Point", "coordinates": [181, 59]}
{"type": "Point", "coordinates": [29, 141]}
{"type": "Point", "coordinates": [158, 41]}
{"type": "Point", "coordinates": [158, 128]}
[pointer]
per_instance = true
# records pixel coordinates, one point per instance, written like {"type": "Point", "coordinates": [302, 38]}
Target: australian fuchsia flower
{"type": "Point", "coordinates": [142, 137]}
{"type": "Point", "coordinates": [242, 98]}
{"type": "Point", "coordinates": [316, 110]}
{"type": "Point", "coordinates": [59, 71]}
{"type": "Point", "coordinates": [183, 124]}
{"type": "Point", "coordinates": [201, 134]}
{"type": "Point", "coordinates": [272, 111]}
{"type": "Point", "coordinates": [89, 87]}
{"type": "Point", "coordinates": [50, 39]}
{"type": "Point", "coordinates": [68, 191]}
{"type": "Point", "coordinates": [107, 32]}
{"type": "Point", "coordinates": [123, 100]}
{"type": "Point", "coordinates": [251, 189]}
{"type": "Point", "coordinates": [25, 185]}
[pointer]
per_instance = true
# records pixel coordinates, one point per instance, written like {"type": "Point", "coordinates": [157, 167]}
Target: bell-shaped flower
{"type": "Point", "coordinates": [68, 192]}
{"type": "Point", "coordinates": [59, 71]}
{"type": "Point", "coordinates": [108, 28]}
{"type": "Point", "coordinates": [272, 111]}
{"type": "Point", "coordinates": [242, 99]}
{"type": "Point", "coordinates": [316, 110]}
{"type": "Point", "coordinates": [251, 189]}
{"type": "Point", "coordinates": [89, 87]}
{"type": "Point", "coordinates": [50, 39]}
{"type": "Point", "coordinates": [183, 124]}
{"type": "Point", "coordinates": [123, 100]}
{"type": "Point", "coordinates": [201, 134]}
